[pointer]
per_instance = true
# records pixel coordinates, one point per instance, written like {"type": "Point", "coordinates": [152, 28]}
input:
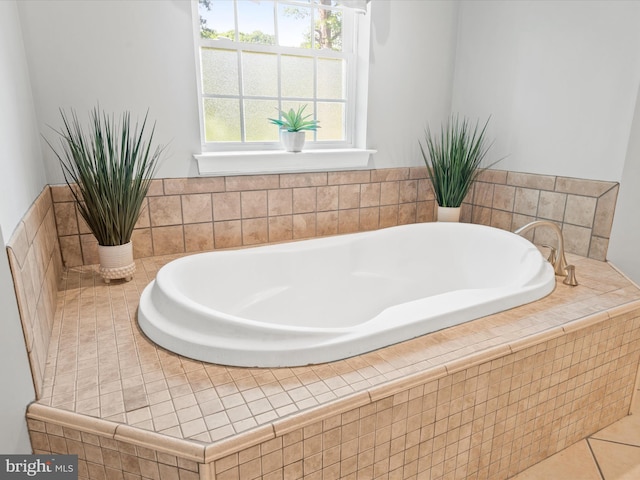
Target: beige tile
{"type": "Point", "coordinates": [198, 237]}
{"type": "Point", "coordinates": [89, 246]}
{"type": "Point", "coordinates": [142, 244]}
{"type": "Point", "coordinates": [604, 213]}
{"type": "Point", "coordinates": [577, 186]}
{"type": "Point", "coordinates": [483, 194]}
{"type": "Point", "coordinates": [304, 200]}
{"type": "Point", "coordinates": [327, 223]}
{"type": "Point", "coordinates": [616, 461]}
{"type": "Point", "coordinates": [313, 179]}
{"type": "Point", "coordinates": [598, 248]}
{"type": "Point", "coordinates": [576, 239]}
{"type": "Point", "coordinates": [227, 234]}
{"type": "Point", "coordinates": [625, 430]}
{"type": "Point", "coordinates": [580, 210]}
{"type": "Point", "coordinates": [370, 195]}
{"type": "Point", "coordinates": [327, 198]}
{"type": "Point", "coordinates": [343, 178]}
{"type": "Point", "coordinates": [252, 182]}
{"type": "Point", "coordinates": [502, 220]}
{"type": "Point", "coordinates": [348, 220]}
{"type": "Point", "coordinates": [226, 206]}
{"type": "Point", "coordinates": [389, 193]}
{"type": "Point", "coordinates": [165, 210]}
{"type": "Point", "coordinates": [389, 174]}
{"type": "Point", "coordinates": [66, 219]}
{"type": "Point", "coordinates": [551, 205]}
{"type": "Point", "coordinates": [280, 202]}
{"type": "Point", "coordinates": [369, 218]}
{"type": "Point", "coordinates": [19, 244]}
{"type": "Point", "coordinates": [504, 197]}
{"type": "Point", "coordinates": [254, 231]}
{"type": "Point", "coordinates": [167, 240]}
{"type": "Point", "coordinates": [253, 204]}
{"type": "Point", "coordinates": [304, 225]}
{"type": "Point", "coordinates": [575, 462]}
{"type": "Point", "coordinates": [530, 180]}
{"type": "Point", "coordinates": [143, 220]}
{"type": "Point", "coordinates": [408, 192]}
{"type": "Point", "coordinates": [71, 252]}
{"type": "Point", "coordinates": [349, 197]}
{"type": "Point", "coordinates": [389, 216]}
{"type": "Point", "coordinates": [280, 228]}
{"type": "Point", "coordinates": [196, 208]}
{"type": "Point", "coordinates": [526, 201]}
{"type": "Point", "coordinates": [177, 186]}
{"type": "Point", "coordinates": [407, 213]}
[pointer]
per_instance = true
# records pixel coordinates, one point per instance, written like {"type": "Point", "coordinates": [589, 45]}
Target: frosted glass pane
{"type": "Point", "coordinates": [256, 22]}
{"type": "Point", "coordinates": [331, 117]}
{"type": "Point", "coordinates": [297, 76]}
{"type": "Point", "coordinates": [328, 29]}
{"type": "Point", "coordinates": [222, 120]}
{"type": "Point", "coordinates": [294, 26]}
{"type": "Point", "coordinates": [260, 74]}
{"type": "Point", "coordinates": [331, 78]}
{"type": "Point", "coordinates": [219, 71]}
{"type": "Point", "coordinates": [217, 19]}
{"type": "Point", "coordinates": [257, 126]}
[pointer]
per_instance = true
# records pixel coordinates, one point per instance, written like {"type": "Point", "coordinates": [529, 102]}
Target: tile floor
{"type": "Point", "coordinates": [613, 453]}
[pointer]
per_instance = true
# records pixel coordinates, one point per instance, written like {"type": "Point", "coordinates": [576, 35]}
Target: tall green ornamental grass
{"type": "Point", "coordinates": [108, 168]}
{"type": "Point", "coordinates": [454, 159]}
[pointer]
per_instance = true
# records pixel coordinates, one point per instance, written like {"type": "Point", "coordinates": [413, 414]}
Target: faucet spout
{"type": "Point", "coordinates": [560, 263]}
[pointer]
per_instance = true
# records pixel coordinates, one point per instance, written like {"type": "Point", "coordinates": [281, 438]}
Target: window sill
{"type": "Point", "coordinates": [277, 161]}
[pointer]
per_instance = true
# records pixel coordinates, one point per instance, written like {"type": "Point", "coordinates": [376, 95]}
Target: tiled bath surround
{"type": "Point", "coordinates": [36, 267]}
{"type": "Point", "coordinates": [484, 399]}
{"type": "Point", "coordinates": [198, 214]}
{"type": "Point", "coordinates": [481, 400]}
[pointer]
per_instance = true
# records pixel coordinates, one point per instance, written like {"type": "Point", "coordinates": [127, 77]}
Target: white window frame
{"type": "Point", "coordinates": [344, 153]}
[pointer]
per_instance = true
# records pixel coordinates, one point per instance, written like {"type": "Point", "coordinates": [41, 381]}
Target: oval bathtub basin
{"type": "Point", "coordinates": [329, 298]}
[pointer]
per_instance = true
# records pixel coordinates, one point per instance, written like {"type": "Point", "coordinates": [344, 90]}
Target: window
{"type": "Point", "coordinates": [256, 57]}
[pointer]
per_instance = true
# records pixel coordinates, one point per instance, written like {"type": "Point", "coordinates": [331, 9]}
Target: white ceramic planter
{"type": "Point", "coordinates": [448, 214]}
{"type": "Point", "coordinates": [116, 262]}
{"type": "Point", "coordinates": [292, 141]}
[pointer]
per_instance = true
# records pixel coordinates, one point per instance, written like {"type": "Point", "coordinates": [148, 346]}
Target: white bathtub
{"type": "Point", "coordinates": [330, 298]}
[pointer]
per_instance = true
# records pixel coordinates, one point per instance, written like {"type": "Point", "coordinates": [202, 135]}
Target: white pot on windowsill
{"type": "Point", "coordinates": [292, 141]}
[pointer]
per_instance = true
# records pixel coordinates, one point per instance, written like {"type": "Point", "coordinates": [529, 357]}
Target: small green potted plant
{"type": "Point", "coordinates": [453, 161]}
{"type": "Point", "coordinates": [293, 125]}
{"type": "Point", "coordinates": [108, 169]}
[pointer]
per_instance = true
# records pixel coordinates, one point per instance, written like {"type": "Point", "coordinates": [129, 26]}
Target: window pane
{"type": "Point", "coordinates": [331, 78]}
{"type": "Point", "coordinates": [260, 74]}
{"type": "Point", "coordinates": [216, 19]}
{"type": "Point", "coordinates": [297, 76]}
{"type": "Point", "coordinates": [219, 71]}
{"type": "Point", "coordinates": [257, 126]}
{"type": "Point", "coordinates": [294, 26]}
{"type": "Point", "coordinates": [331, 117]}
{"type": "Point", "coordinates": [222, 120]}
{"type": "Point", "coordinates": [328, 29]}
{"type": "Point", "coordinates": [255, 22]}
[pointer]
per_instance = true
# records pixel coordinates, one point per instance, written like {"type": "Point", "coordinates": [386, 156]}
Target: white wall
{"type": "Point", "coordinates": [21, 165]}
{"type": "Point", "coordinates": [21, 181]}
{"type": "Point", "coordinates": [559, 79]}
{"type": "Point", "coordinates": [624, 247]}
{"type": "Point", "coordinates": [413, 47]}
{"type": "Point", "coordinates": [134, 55]}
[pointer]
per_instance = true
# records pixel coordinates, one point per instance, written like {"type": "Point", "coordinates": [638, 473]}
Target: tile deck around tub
{"type": "Point", "coordinates": [100, 364]}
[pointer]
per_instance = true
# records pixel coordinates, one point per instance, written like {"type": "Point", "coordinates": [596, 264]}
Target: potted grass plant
{"type": "Point", "coordinates": [454, 160]}
{"type": "Point", "coordinates": [293, 125]}
{"type": "Point", "coordinates": [108, 168]}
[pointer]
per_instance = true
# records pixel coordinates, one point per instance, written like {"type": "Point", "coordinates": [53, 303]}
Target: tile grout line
{"type": "Point", "coordinates": [593, 455]}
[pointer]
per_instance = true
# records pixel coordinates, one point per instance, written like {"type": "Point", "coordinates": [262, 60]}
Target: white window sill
{"type": "Point", "coordinates": [278, 161]}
